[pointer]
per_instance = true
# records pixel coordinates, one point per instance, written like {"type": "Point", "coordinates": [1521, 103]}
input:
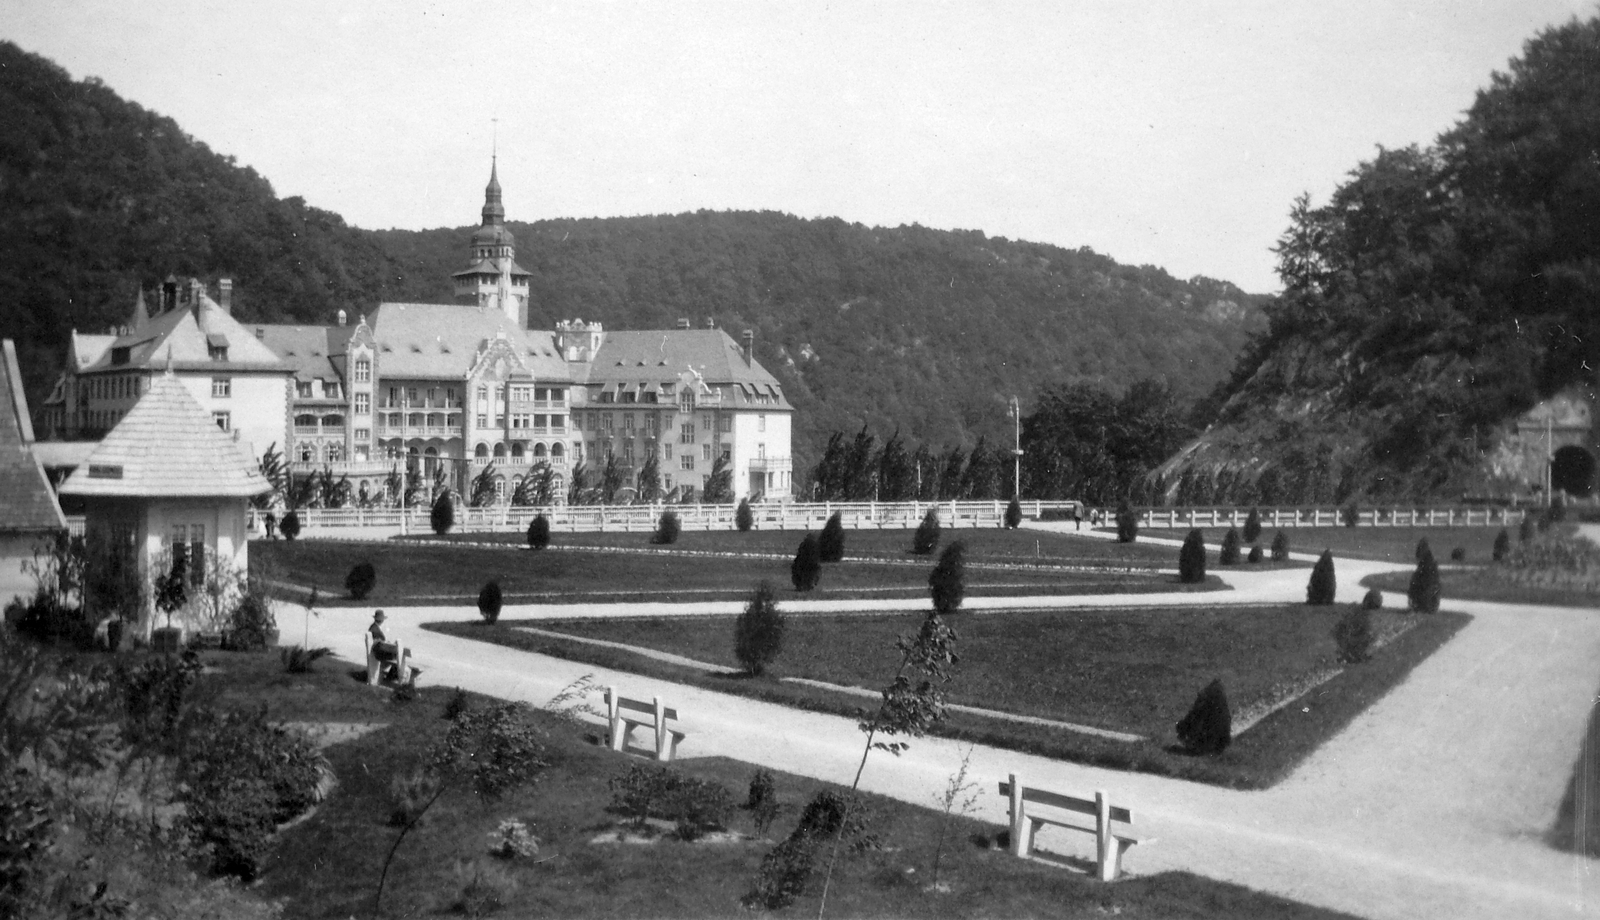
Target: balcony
{"type": "Point", "coordinates": [772, 465]}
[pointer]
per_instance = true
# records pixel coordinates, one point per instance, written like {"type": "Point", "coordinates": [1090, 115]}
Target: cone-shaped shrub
{"type": "Point", "coordinates": [667, 528]}
{"type": "Point", "coordinates": [489, 601]}
{"type": "Point", "coordinates": [1353, 635]}
{"type": "Point", "coordinates": [1255, 554]}
{"type": "Point", "coordinates": [1252, 526]}
{"type": "Point", "coordinates": [1351, 514]}
{"type": "Point", "coordinates": [948, 581]}
{"type": "Point", "coordinates": [927, 537]}
{"type": "Point", "coordinates": [1280, 547]}
{"type": "Point", "coordinates": [1229, 555]}
{"type": "Point", "coordinates": [1323, 585]}
{"type": "Point", "coordinates": [539, 532]}
{"type": "Point", "coordinates": [1423, 595]}
{"type": "Point", "coordinates": [1208, 728]}
{"type": "Point", "coordinates": [1192, 559]}
{"type": "Point", "coordinates": [290, 525]}
{"type": "Point", "coordinates": [1524, 530]}
{"type": "Point", "coordinates": [1373, 599]}
{"type": "Point", "coordinates": [1127, 523]}
{"type": "Point", "coordinates": [758, 633]}
{"type": "Point", "coordinates": [1013, 514]}
{"type": "Point", "coordinates": [807, 566]}
{"type": "Point", "coordinates": [1459, 554]}
{"type": "Point", "coordinates": [831, 543]}
{"type": "Point", "coordinates": [1423, 549]}
{"type": "Point", "coordinates": [443, 515]}
{"type": "Point", "coordinates": [361, 580]}
{"type": "Point", "coordinates": [1502, 545]}
{"type": "Point", "coordinates": [743, 518]}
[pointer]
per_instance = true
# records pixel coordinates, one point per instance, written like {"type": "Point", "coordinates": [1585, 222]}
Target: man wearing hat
{"type": "Point", "coordinates": [386, 650]}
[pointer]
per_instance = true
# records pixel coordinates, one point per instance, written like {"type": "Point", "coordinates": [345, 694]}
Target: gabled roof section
{"type": "Point", "coordinates": [167, 446]}
{"type": "Point", "coordinates": [27, 505]}
{"type": "Point", "coordinates": [310, 351]}
{"type": "Point", "coordinates": [663, 354]}
{"type": "Point", "coordinates": [87, 350]}
{"type": "Point", "coordinates": [442, 341]}
{"type": "Point", "coordinates": [186, 340]}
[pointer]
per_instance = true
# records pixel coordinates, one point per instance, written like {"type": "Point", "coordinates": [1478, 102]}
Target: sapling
{"type": "Point", "coordinates": [959, 795]}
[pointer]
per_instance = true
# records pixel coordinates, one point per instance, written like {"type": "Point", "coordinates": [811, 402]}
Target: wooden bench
{"type": "Point", "coordinates": [404, 671]}
{"type": "Point", "coordinates": [624, 715]}
{"type": "Point", "coordinates": [1063, 811]}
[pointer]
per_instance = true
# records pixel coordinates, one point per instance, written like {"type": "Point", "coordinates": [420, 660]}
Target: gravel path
{"type": "Point", "coordinates": [1433, 803]}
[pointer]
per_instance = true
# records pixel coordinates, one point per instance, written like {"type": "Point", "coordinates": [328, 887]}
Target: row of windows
{"type": "Point", "coordinates": [121, 387]}
{"type": "Point", "coordinates": [304, 390]}
{"type": "Point", "coordinates": [519, 449]}
{"type": "Point", "coordinates": [605, 421]}
{"type": "Point", "coordinates": [624, 450]}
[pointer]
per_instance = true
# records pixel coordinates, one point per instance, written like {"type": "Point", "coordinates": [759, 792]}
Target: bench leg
{"type": "Point", "coordinates": [1108, 852]}
{"type": "Point", "coordinates": [374, 667]}
{"type": "Point", "coordinates": [1021, 829]}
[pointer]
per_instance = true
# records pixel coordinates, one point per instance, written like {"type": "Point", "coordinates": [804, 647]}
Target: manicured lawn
{"type": "Point", "coordinates": [327, 866]}
{"type": "Point", "coordinates": [451, 573]}
{"type": "Point", "coordinates": [1480, 585]}
{"type": "Point", "coordinates": [1387, 544]}
{"type": "Point", "coordinates": [1134, 671]}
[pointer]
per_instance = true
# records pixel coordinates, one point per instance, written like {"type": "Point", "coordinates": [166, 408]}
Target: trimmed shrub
{"type": "Point", "coordinates": [1423, 593]}
{"type": "Point", "coordinates": [667, 529]}
{"type": "Point", "coordinates": [1524, 530]}
{"type": "Point", "coordinates": [489, 600]}
{"type": "Point", "coordinates": [1256, 555]}
{"type": "Point", "coordinates": [1353, 634]}
{"type": "Point", "coordinates": [1127, 523]}
{"type": "Point", "coordinates": [1252, 526]}
{"type": "Point", "coordinates": [1323, 585]}
{"type": "Point", "coordinates": [948, 581]}
{"type": "Point", "coordinates": [290, 525]}
{"type": "Point", "coordinates": [361, 580]}
{"type": "Point", "coordinates": [1350, 514]}
{"type": "Point", "coordinates": [1013, 514]}
{"type": "Point", "coordinates": [927, 537]}
{"type": "Point", "coordinates": [762, 799]}
{"type": "Point", "coordinates": [1372, 600]}
{"type": "Point", "coordinates": [1459, 554]}
{"type": "Point", "coordinates": [1192, 558]}
{"type": "Point", "coordinates": [1229, 555]}
{"type": "Point", "coordinates": [443, 515]}
{"type": "Point", "coordinates": [744, 518]}
{"type": "Point", "coordinates": [1502, 545]}
{"type": "Point", "coordinates": [786, 870]}
{"type": "Point", "coordinates": [1208, 727]}
{"type": "Point", "coordinates": [758, 632]}
{"type": "Point", "coordinates": [539, 532]}
{"type": "Point", "coordinates": [1280, 547]}
{"type": "Point", "coordinates": [1423, 549]}
{"type": "Point", "coordinates": [456, 705]}
{"type": "Point", "coordinates": [694, 805]}
{"type": "Point", "coordinates": [831, 543]}
{"type": "Point", "coordinates": [806, 570]}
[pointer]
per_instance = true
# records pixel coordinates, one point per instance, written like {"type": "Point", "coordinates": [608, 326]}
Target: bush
{"type": "Point", "coordinates": [1192, 559]}
{"type": "Point", "coordinates": [1229, 555]}
{"type": "Point", "coordinates": [693, 805]}
{"type": "Point", "coordinates": [758, 633]}
{"type": "Point", "coordinates": [1423, 593]}
{"type": "Point", "coordinates": [1208, 727]}
{"type": "Point", "coordinates": [1350, 514]}
{"type": "Point", "coordinates": [513, 840]}
{"type": "Point", "coordinates": [290, 525]}
{"type": "Point", "coordinates": [299, 660]}
{"type": "Point", "coordinates": [762, 799]}
{"type": "Point", "coordinates": [785, 871]}
{"type": "Point", "coordinates": [831, 544]}
{"type": "Point", "coordinates": [1525, 529]}
{"type": "Point", "coordinates": [806, 570]}
{"type": "Point", "coordinates": [1502, 545]}
{"type": "Point", "coordinates": [1353, 634]}
{"type": "Point", "coordinates": [744, 519]}
{"type": "Point", "coordinates": [1255, 554]}
{"type": "Point", "coordinates": [1013, 514]}
{"type": "Point", "coordinates": [485, 888]}
{"type": "Point", "coordinates": [1127, 523]}
{"type": "Point", "coordinates": [539, 532]}
{"type": "Point", "coordinates": [667, 529]}
{"type": "Point", "coordinates": [1280, 547]}
{"type": "Point", "coordinates": [489, 601]}
{"type": "Point", "coordinates": [927, 537]}
{"type": "Point", "coordinates": [1252, 526]}
{"type": "Point", "coordinates": [456, 705]}
{"type": "Point", "coordinates": [1372, 600]}
{"type": "Point", "coordinates": [1459, 554]}
{"type": "Point", "coordinates": [947, 582]}
{"type": "Point", "coordinates": [443, 515]}
{"type": "Point", "coordinates": [1423, 549]}
{"type": "Point", "coordinates": [361, 580]}
{"type": "Point", "coordinates": [1323, 585]}
{"type": "Point", "coordinates": [251, 623]}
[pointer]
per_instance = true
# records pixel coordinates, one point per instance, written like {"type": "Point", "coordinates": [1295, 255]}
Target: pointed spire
{"type": "Point", "coordinates": [141, 313]}
{"type": "Point", "coordinates": [494, 212]}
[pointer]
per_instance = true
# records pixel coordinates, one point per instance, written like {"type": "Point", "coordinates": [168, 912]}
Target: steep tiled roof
{"type": "Point", "coordinates": [312, 351]}
{"type": "Point", "coordinates": [26, 503]}
{"type": "Point", "coordinates": [661, 355]}
{"type": "Point", "coordinates": [167, 447]}
{"type": "Point", "coordinates": [440, 341]}
{"type": "Point", "coordinates": [177, 335]}
{"type": "Point", "coordinates": [88, 349]}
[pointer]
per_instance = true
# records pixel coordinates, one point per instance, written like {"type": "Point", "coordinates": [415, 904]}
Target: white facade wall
{"type": "Point", "coordinates": [257, 406]}
{"type": "Point", "coordinates": [761, 447]}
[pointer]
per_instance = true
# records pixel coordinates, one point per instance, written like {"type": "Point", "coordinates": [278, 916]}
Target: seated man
{"type": "Point", "coordinates": [386, 650]}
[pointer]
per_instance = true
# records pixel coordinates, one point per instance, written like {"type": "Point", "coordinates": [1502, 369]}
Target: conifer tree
{"type": "Point", "coordinates": [667, 529]}
{"type": "Point", "coordinates": [1229, 554]}
{"type": "Point", "coordinates": [758, 633]}
{"type": "Point", "coordinates": [927, 537]}
{"type": "Point", "coordinates": [831, 545]}
{"type": "Point", "coordinates": [806, 570]}
{"type": "Point", "coordinates": [1323, 585]}
{"type": "Point", "coordinates": [443, 515]}
{"type": "Point", "coordinates": [1423, 593]}
{"type": "Point", "coordinates": [948, 579]}
{"type": "Point", "coordinates": [1252, 526]}
{"type": "Point", "coordinates": [1280, 547]}
{"type": "Point", "coordinates": [1192, 559]}
{"type": "Point", "coordinates": [1208, 727]}
{"type": "Point", "coordinates": [1127, 523]}
{"type": "Point", "coordinates": [539, 532]}
{"type": "Point", "coordinates": [1502, 545]}
{"type": "Point", "coordinates": [1013, 514]}
{"type": "Point", "coordinates": [744, 519]}
{"type": "Point", "coordinates": [489, 602]}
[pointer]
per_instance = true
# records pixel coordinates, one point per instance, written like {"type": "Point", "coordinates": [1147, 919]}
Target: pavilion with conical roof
{"type": "Point", "coordinates": [166, 477]}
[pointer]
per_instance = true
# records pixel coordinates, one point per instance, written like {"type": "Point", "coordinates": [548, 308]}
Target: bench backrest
{"type": "Point", "coordinates": [1066, 802]}
{"type": "Point", "coordinates": [648, 707]}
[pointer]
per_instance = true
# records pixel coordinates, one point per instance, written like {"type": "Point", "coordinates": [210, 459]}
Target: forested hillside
{"type": "Point", "coordinates": [925, 331]}
{"type": "Point", "coordinates": [1440, 292]}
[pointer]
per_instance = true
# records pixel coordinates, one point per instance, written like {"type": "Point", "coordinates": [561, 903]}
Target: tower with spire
{"type": "Point", "coordinates": [492, 278]}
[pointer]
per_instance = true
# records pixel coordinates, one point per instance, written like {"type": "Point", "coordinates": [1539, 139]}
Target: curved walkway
{"type": "Point", "coordinates": [1433, 803]}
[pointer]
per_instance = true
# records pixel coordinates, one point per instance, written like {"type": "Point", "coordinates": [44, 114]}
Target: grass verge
{"type": "Point", "coordinates": [1170, 653]}
{"type": "Point", "coordinates": [1384, 544]}
{"type": "Point", "coordinates": [1577, 825]}
{"type": "Point", "coordinates": [1481, 585]}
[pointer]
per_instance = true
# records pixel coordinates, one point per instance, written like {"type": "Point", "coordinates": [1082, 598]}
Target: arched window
{"type": "Point", "coordinates": [333, 453]}
{"type": "Point", "coordinates": [482, 450]}
{"type": "Point", "coordinates": [308, 452]}
{"type": "Point", "coordinates": [539, 450]}
{"type": "Point", "coordinates": [518, 450]}
{"type": "Point", "coordinates": [305, 421]}
{"type": "Point", "coordinates": [435, 419]}
{"type": "Point", "coordinates": [499, 488]}
{"type": "Point", "coordinates": [499, 451]}
{"type": "Point", "coordinates": [557, 449]}
{"type": "Point", "coordinates": [333, 421]}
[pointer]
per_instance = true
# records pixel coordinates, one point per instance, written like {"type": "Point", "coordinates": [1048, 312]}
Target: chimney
{"type": "Point", "coordinates": [711, 322]}
{"type": "Point", "coordinates": [749, 349]}
{"type": "Point", "coordinates": [683, 322]}
{"type": "Point", "coordinates": [169, 294]}
{"type": "Point", "coordinates": [193, 295]}
{"type": "Point", "coordinates": [341, 317]}
{"type": "Point", "coordinates": [225, 295]}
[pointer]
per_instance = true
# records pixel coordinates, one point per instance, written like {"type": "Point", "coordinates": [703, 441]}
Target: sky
{"type": "Point", "coordinates": [1174, 134]}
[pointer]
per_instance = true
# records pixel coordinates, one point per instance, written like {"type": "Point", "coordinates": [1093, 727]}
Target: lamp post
{"type": "Point", "coordinates": [1015, 411]}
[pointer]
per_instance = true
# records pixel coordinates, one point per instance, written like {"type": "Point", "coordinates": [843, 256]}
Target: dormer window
{"type": "Point", "coordinates": [217, 346]}
{"type": "Point", "coordinates": [120, 355]}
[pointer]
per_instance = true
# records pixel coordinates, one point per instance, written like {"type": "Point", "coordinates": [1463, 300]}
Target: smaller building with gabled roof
{"type": "Point", "coordinates": [29, 514]}
{"type": "Point", "coordinates": [165, 479]}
